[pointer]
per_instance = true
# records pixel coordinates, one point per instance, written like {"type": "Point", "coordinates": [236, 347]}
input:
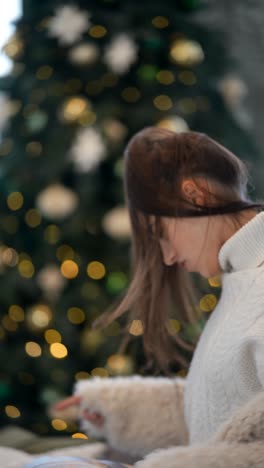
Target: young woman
{"type": "Point", "coordinates": [190, 212]}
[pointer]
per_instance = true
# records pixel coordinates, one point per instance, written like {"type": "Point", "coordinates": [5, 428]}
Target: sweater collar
{"type": "Point", "coordinates": [245, 248]}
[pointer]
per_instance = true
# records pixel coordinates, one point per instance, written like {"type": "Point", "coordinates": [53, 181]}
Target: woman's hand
{"type": "Point", "coordinates": [94, 417]}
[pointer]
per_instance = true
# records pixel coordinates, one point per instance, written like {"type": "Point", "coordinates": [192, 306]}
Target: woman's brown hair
{"type": "Point", "coordinates": [156, 161]}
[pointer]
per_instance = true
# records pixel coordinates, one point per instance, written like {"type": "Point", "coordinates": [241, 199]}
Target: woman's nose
{"type": "Point", "coordinates": [169, 257]}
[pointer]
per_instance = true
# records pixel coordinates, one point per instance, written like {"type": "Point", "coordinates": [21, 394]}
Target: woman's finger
{"type": "Point", "coordinates": [70, 401]}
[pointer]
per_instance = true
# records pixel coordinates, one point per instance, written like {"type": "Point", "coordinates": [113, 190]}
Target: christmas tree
{"type": "Point", "coordinates": [85, 77]}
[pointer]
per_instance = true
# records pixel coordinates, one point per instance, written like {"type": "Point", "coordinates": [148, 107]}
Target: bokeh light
{"type": "Point", "coordinates": [12, 411]}
{"type": "Point", "coordinates": [15, 201]}
{"type": "Point", "coordinates": [69, 269]}
{"type": "Point", "coordinates": [76, 315]}
{"type": "Point", "coordinates": [52, 336]}
{"type": "Point", "coordinates": [33, 349]}
{"type": "Point", "coordinates": [58, 350]}
{"type": "Point", "coordinates": [208, 302]}
{"type": "Point", "coordinates": [96, 270]}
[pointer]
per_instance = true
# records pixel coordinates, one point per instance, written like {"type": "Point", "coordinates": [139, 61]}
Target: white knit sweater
{"type": "Point", "coordinates": [227, 368]}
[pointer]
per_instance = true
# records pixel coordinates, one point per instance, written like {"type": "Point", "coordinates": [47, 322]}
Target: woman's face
{"type": "Point", "coordinates": [194, 242]}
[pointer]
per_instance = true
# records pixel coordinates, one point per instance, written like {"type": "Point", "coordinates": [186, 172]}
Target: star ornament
{"type": "Point", "coordinates": [68, 24]}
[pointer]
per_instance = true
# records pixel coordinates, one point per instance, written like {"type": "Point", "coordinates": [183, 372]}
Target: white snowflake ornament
{"type": "Point", "coordinates": [88, 150]}
{"type": "Point", "coordinates": [68, 24]}
{"type": "Point", "coordinates": [120, 53]}
{"type": "Point", "coordinates": [56, 202]}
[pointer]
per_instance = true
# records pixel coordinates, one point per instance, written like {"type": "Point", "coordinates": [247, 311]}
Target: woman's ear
{"type": "Point", "coordinates": [192, 192]}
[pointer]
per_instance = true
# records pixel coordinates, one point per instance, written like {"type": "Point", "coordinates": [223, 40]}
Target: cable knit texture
{"type": "Point", "coordinates": [141, 413]}
{"type": "Point", "coordinates": [227, 368]}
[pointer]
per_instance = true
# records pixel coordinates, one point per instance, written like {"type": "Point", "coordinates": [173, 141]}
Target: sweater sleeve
{"type": "Point", "coordinates": [258, 351]}
{"type": "Point", "coordinates": [140, 413]}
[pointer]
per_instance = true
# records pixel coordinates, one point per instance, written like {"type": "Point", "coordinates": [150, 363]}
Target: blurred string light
{"type": "Point", "coordinates": [173, 326]}
{"type": "Point", "coordinates": [58, 350]}
{"type": "Point", "coordinates": [79, 435]}
{"type": "Point", "coordinates": [59, 424]}
{"type": "Point", "coordinates": [187, 77]}
{"type": "Point", "coordinates": [136, 328]}
{"type": "Point", "coordinates": [174, 123]}
{"type": "Point", "coordinates": [91, 340]}
{"type": "Point", "coordinates": [52, 234]}
{"type": "Point", "coordinates": [160, 22]}
{"type": "Point", "coordinates": [76, 315]}
{"type": "Point", "coordinates": [33, 218]}
{"type": "Point", "coordinates": [80, 375]}
{"type": "Point", "coordinates": [114, 130]}
{"type": "Point", "coordinates": [16, 313]}
{"type": "Point", "coordinates": [99, 372]}
{"type": "Point", "coordinates": [38, 317]}
{"type": "Point", "coordinates": [131, 94]}
{"type": "Point", "coordinates": [215, 281]}
{"type": "Point", "coordinates": [69, 269]}
{"type": "Point", "coordinates": [33, 349]}
{"type": "Point", "coordinates": [74, 109]}
{"type": "Point", "coordinates": [208, 302]}
{"type": "Point", "coordinates": [162, 102]}
{"type": "Point", "coordinates": [165, 77]}
{"type": "Point", "coordinates": [12, 411]}
{"type": "Point", "coordinates": [8, 108]}
{"type": "Point", "coordinates": [14, 47]}
{"type": "Point", "coordinates": [26, 268]}
{"type": "Point", "coordinates": [185, 52]}
{"type": "Point", "coordinates": [116, 281]}
{"type": "Point", "coordinates": [8, 256]}
{"type": "Point", "coordinates": [15, 201]}
{"type": "Point", "coordinates": [8, 324]}
{"type": "Point", "coordinates": [44, 72]}
{"type": "Point", "coordinates": [65, 252]}
{"type": "Point", "coordinates": [34, 148]}
{"type": "Point", "coordinates": [97, 31]}
{"type": "Point", "coordinates": [120, 364]}
{"type": "Point", "coordinates": [96, 270]}
{"type": "Point", "coordinates": [51, 281]}
{"type": "Point", "coordinates": [52, 336]}
{"type": "Point", "coordinates": [83, 54]}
